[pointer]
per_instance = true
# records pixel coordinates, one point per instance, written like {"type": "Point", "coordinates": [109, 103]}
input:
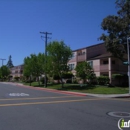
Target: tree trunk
{"type": "Point", "coordinates": [30, 80]}
{"type": "Point", "coordinates": [62, 84]}
{"type": "Point", "coordinates": [38, 81]}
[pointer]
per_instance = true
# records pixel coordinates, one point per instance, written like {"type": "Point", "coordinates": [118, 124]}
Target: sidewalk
{"type": "Point", "coordinates": [127, 95]}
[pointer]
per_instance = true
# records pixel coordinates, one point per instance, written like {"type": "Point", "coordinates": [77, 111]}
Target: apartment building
{"type": "Point", "coordinates": [102, 62]}
{"type": "Point", "coordinates": [17, 71]}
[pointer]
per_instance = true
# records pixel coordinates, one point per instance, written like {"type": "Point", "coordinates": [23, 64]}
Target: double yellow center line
{"type": "Point", "coordinates": [43, 102]}
{"type": "Point", "coordinates": [54, 102]}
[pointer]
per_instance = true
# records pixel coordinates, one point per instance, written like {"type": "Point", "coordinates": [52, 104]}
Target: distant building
{"type": "Point", "coordinates": [17, 71]}
{"type": "Point", "coordinates": [102, 62]}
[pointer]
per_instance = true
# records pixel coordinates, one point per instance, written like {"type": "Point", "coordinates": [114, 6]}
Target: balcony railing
{"type": "Point", "coordinates": [105, 68]}
{"type": "Point", "coordinates": [81, 58]}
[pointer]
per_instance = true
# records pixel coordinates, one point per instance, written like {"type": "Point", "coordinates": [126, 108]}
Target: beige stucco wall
{"type": "Point", "coordinates": [96, 62]}
{"type": "Point", "coordinates": [96, 65]}
{"type": "Point", "coordinates": [97, 74]}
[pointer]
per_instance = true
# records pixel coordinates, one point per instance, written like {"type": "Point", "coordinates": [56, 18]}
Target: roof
{"type": "Point", "coordinates": [108, 54]}
{"type": "Point", "coordinates": [88, 47]}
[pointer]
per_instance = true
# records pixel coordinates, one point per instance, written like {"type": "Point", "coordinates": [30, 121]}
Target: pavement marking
{"type": "Point", "coordinates": [36, 98]}
{"type": "Point", "coordinates": [18, 94]}
{"type": "Point", "coordinates": [50, 102]}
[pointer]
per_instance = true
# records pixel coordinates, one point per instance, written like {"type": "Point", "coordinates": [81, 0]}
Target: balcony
{"type": "Point", "coordinates": [105, 68]}
{"type": "Point", "coordinates": [81, 58]}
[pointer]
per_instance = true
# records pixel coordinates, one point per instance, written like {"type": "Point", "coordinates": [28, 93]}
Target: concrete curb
{"type": "Point", "coordinates": [110, 95]}
{"type": "Point", "coordinates": [127, 95]}
{"type": "Point", "coordinates": [86, 94]}
{"type": "Point", "coordinates": [53, 90]}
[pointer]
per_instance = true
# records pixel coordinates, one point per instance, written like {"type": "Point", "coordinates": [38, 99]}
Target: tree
{"type": "Point", "coordinates": [10, 63]}
{"type": "Point", "coordinates": [84, 71]}
{"type": "Point", "coordinates": [58, 56]}
{"type": "Point", "coordinates": [27, 72]}
{"type": "Point", "coordinates": [33, 66]}
{"type": "Point", "coordinates": [41, 62]}
{"type": "Point", "coordinates": [118, 29]}
{"type": "Point", "coordinates": [37, 65]}
{"type": "Point", "coordinates": [4, 72]}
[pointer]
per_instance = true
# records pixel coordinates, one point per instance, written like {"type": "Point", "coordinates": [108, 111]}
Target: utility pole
{"type": "Point", "coordinates": [45, 77]}
{"type": "Point", "coordinates": [2, 61]}
{"type": "Point", "coordinates": [128, 51]}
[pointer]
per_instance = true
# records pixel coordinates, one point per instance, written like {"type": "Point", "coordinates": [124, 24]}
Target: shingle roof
{"type": "Point", "coordinates": [108, 54]}
{"type": "Point", "coordinates": [87, 47]}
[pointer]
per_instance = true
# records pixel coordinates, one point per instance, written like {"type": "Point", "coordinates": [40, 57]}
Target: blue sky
{"type": "Point", "coordinates": [77, 22]}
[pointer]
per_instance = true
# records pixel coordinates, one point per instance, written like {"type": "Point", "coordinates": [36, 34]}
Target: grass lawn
{"type": "Point", "coordinates": [86, 88]}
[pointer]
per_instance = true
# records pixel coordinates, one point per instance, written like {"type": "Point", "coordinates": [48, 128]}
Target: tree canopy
{"type": "Point", "coordinates": [84, 71]}
{"type": "Point", "coordinates": [34, 66]}
{"type": "Point", "coordinates": [58, 56]}
{"type": "Point", "coordinates": [118, 29]}
{"type": "Point", "coordinates": [10, 63]}
{"type": "Point", "coordinates": [4, 72]}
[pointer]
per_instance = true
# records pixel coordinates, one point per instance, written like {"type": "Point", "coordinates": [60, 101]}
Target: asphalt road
{"type": "Point", "coordinates": [25, 108]}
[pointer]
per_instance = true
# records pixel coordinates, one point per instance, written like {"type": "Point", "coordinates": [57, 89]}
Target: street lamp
{"type": "Point", "coordinates": [128, 51]}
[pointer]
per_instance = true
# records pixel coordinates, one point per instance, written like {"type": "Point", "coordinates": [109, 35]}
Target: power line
{"type": "Point", "coordinates": [2, 61]}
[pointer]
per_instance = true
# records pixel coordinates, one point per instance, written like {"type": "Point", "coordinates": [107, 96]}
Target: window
{"type": "Point", "coordinates": [71, 66]}
{"type": "Point", "coordinates": [105, 62]}
{"type": "Point", "coordinates": [91, 63]}
{"type": "Point", "coordinates": [73, 55]}
{"type": "Point", "coordinates": [83, 53]}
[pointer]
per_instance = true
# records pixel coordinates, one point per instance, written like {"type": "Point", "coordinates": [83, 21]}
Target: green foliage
{"type": "Point", "coordinates": [69, 81]}
{"type": "Point", "coordinates": [4, 72]}
{"type": "Point", "coordinates": [85, 71]}
{"type": "Point", "coordinates": [10, 63]}
{"type": "Point", "coordinates": [102, 80]}
{"type": "Point", "coordinates": [17, 78]}
{"type": "Point", "coordinates": [56, 77]}
{"type": "Point", "coordinates": [43, 80]}
{"type": "Point", "coordinates": [34, 66]}
{"type": "Point", "coordinates": [58, 56]}
{"type": "Point", "coordinates": [117, 76]}
{"type": "Point", "coordinates": [67, 75]}
{"type": "Point", "coordinates": [118, 29]}
{"type": "Point", "coordinates": [75, 81]}
{"type": "Point", "coordinates": [120, 77]}
{"type": "Point", "coordinates": [122, 80]}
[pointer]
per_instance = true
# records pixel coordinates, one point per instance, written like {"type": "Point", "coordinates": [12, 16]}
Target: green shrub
{"type": "Point", "coordinates": [121, 79]}
{"type": "Point", "coordinates": [75, 81]}
{"type": "Point", "coordinates": [56, 77]}
{"type": "Point", "coordinates": [17, 78]}
{"type": "Point", "coordinates": [117, 76]}
{"type": "Point", "coordinates": [102, 80]}
{"type": "Point", "coordinates": [67, 75]}
{"type": "Point", "coordinates": [69, 81]}
{"type": "Point", "coordinates": [28, 81]}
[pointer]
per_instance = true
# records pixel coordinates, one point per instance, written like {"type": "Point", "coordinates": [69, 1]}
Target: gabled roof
{"type": "Point", "coordinates": [108, 54]}
{"type": "Point", "coordinates": [87, 47]}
